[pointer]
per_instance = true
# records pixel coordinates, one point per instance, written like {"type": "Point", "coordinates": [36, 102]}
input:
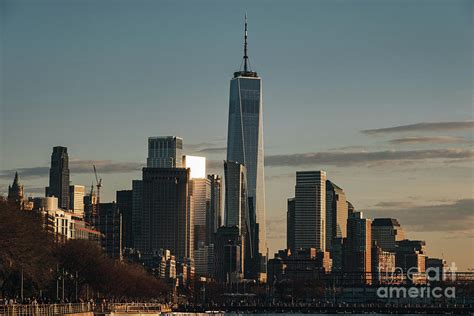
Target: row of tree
{"type": "Point", "coordinates": [32, 264]}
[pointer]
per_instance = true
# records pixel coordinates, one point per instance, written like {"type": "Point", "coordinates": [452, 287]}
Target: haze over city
{"type": "Point", "coordinates": [378, 95]}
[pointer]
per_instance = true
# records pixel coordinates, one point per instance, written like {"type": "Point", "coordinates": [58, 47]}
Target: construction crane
{"type": "Point", "coordinates": [98, 185]}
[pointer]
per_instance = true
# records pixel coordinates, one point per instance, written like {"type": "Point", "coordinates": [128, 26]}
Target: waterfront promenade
{"type": "Point", "coordinates": [84, 309]}
{"type": "Point", "coordinates": [136, 309]}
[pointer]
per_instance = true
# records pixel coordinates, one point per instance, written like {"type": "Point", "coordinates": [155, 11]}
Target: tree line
{"type": "Point", "coordinates": [33, 264]}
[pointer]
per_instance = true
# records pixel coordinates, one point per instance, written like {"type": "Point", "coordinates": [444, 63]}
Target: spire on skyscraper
{"type": "Point", "coordinates": [245, 46]}
{"type": "Point", "coordinates": [247, 71]}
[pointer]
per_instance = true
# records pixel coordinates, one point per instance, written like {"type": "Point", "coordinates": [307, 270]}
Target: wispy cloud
{"type": "Point", "coordinates": [455, 217]}
{"type": "Point", "coordinates": [422, 127]}
{"type": "Point", "coordinates": [428, 140]}
{"type": "Point", "coordinates": [76, 166]}
{"type": "Point", "coordinates": [348, 159]}
{"type": "Point", "coordinates": [213, 150]}
{"type": "Point", "coordinates": [213, 147]}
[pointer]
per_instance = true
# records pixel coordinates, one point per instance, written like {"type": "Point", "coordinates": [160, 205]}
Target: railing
{"type": "Point", "coordinates": [136, 307]}
{"type": "Point", "coordinates": [62, 309]}
{"type": "Point", "coordinates": [45, 309]}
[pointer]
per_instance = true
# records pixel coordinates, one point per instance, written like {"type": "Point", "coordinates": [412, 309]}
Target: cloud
{"type": "Point", "coordinates": [348, 159]}
{"type": "Point", "coordinates": [455, 217]}
{"type": "Point", "coordinates": [428, 140]}
{"type": "Point", "coordinates": [214, 147]}
{"type": "Point", "coordinates": [422, 127]}
{"type": "Point", "coordinates": [213, 150]}
{"type": "Point", "coordinates": [75, 166]}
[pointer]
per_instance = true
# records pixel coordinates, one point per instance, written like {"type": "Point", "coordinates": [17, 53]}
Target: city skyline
{"type": "Point", "coordinates": [411, 162]}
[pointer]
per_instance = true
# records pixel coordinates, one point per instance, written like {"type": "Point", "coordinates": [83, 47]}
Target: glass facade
{"type": "Point", "coordinates": [245, 144]}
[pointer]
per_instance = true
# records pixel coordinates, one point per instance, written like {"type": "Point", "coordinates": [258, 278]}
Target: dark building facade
{"type": "Point", "coordinates": [336, 213]}
{"type": "Point", "coordinates": [125, 203]}
{"type": "Point", "coordinates": [228, 264]}
{"type": "Point", "coordinates": [110, 226]}
{"type": "Point", "coordinates": [15, 191]}
{"type": "Point", "coordinates": [165, 217]}
{"type": "Point", "coordinates": [358, 248]}
{"type": "Point", "coordinates": [59, 176]}
{"type": "Point", "coordinates": [290, 225]}
{"type": "Point", "coordinates": [214, 213]}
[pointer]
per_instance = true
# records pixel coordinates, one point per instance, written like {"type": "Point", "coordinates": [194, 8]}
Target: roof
{"type": "Point", "coordinates": [385, 222]}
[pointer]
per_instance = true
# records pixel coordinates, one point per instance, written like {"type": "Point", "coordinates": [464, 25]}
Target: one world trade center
{"type": "Point", "coordinates": [245, 146]}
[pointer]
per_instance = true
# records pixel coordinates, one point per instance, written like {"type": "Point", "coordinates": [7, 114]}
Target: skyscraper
{"type": "Point", "coordinates": [290, 225]}
{"type": "Point", "coordinates": [359, 247]}
{"type": "Point", "coordinates": [236, 211]}
{"type": "Point", "coordinates": [310, 210]}
{"type": "Point", "coordinates": [386, 232]}
{"type": "Point", "coordinates": [125, 207]}
{"type": "Point", "coordinates": [336, 213]}
{"type": "Point", "coordinates": [165, 220]}
{"type": "Point", "coordinates": [76, 197]}
{"type": "Point", "coordinates": [245, 142]}
{"type": "Point", "coordinates": [165, 152]}
{"type": "Point", "coordinates": [214, 213]}
{"type": "Point", "coordinates": [200, 190]}
{"type": "Point", "coordinates": [59, 176]}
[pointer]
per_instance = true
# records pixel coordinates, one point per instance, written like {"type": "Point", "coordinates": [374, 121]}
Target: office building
{"type": "Point", "coordinates": [110, 225]}
{"type": "Point", "coordinates": [125, 205]}
{"type": "Point", "coordinates": [90, 206]}
{"type": "Point", "coordinates": [336, 213]}
{"type": "Point", "coordinates": [138, 232]}
{"type": "Point", "coordinates": [164, 218]}
{"type": "Point", "coordinates": [310, 210]}
{"type": "Point", "coordinates": [245, 143]}
{"type": "Point", "coordinates": [228, 265]}
{"type": "Point", "coordinates": [200, 190]}
{"type": "Point", "coordinates": [237, 212]}
{"type": "Point", "coordinates": [386, 232]}
{"type": "Point", "coordinates": [76, 199]}
{"type": "Point", "coordinates": [383, 265]}
{"type": "Point", "coordinates": [290, 225]}
{"type": "Point", "coordinates": [359, 248]}
{"type": "Point", "coordinates": [214, 214]}
{"type": "Point", "coordinates": [165, 152]}
{"type": "Point", "coordinates": [59, 176]}
{"type": "Point", "coordinates": [410, 256]}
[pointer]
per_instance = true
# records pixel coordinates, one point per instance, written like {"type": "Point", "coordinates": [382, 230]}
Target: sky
{"type": "Point", "coordinates": [377, 93]}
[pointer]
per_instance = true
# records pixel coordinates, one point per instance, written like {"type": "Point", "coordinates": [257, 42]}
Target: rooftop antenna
{"type": "Point", "coordinates": [245, 46]}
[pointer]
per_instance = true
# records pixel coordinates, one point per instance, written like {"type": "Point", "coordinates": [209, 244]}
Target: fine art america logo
{"type": "Point", "coordinates": [423, 280]}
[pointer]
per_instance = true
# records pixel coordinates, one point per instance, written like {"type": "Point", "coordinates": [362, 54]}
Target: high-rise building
{"type": "Point", "coordinates": [310, 210]}
{"type": "Point", "coordinates": [15, 191]}
{"type": "Point", "coordinates": [358, 258]}
{"type": "Point", "coordinates": [228, 266]}
{"type": "Point", "coordinates": [200, 190]}
{"type": "Point", "coordinates": [125, 205]}
{"type": "Point", "coordinates": [290, 225]}
{"type": "Point", "coordinates": [386, 232]}
{"type": "Point", "coordinates": [245, 142]}
{"type": "Point", "coordinates": [165, 152]}
{"type": "Point", "coordinates": [214, 214]}
{"type": "Point", "coordinates": [109, 223]}
{"type": "Point", "coordinates": [236, 212]}
{"type": "Point", "coordinates": [139, 232]}
{"type": "Point", "coordinates": [165, 216]}
{"type": "Point", "coordinates": [336, 213]}
{"type": "Point", "coordinates": [59, 176]}
{"type": "Point", "coordinates": [76, 199]}
{"type": "Point", "coordinates": [383, 264]}
{"type": "Point", "coordinates": [90, 206]}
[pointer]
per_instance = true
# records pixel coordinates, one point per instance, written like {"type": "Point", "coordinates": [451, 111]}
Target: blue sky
{"type": "Point", "coordinates": [101, 76]}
